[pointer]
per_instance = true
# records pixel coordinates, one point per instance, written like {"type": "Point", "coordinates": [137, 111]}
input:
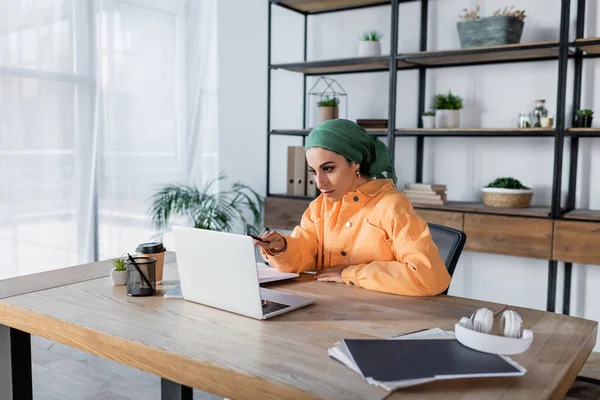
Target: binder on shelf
{"type": "Point", "coordinates": [290, 170]}
{"type": "Point", "coordinates": [311, 185]}
{"type": "Point", "coordinates": [296, 171]}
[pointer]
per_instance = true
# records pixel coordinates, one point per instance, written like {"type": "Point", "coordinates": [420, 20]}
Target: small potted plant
{"type": "Point", "coordinates": [584, 118]}
{"type": "Point", "coordinates": [428, 119]}
{"type": "Point", "coordinates": [506, 192]}
{"type": "Point", "coordinates": [369, 44]}
{"type": "Point", "coordinates": [118, 275]}
{"type": "Point", "coordinates": [447, 111]}
{"type": "Point", "coordinates": [328, 108]}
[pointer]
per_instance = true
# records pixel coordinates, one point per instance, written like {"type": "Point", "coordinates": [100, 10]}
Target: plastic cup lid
{"type": "Point", "coordinates": [150, 248]}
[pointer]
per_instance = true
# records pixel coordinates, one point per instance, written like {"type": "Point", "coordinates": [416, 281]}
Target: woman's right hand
{"type": "Point", "coordinates": [273, 241]}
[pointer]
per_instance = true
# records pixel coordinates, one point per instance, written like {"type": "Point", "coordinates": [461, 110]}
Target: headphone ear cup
{"type": "Point", "coordinates": [511, 324]}
{"type": "Point", "coordinates": [483, 319]}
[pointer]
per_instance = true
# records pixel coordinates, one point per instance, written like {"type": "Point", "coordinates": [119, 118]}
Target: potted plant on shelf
{"type": "Point", "coordinates": [505, 26]}
{"type": "Point", "coordinates": [118, 274]}
{"type": "Point", "coordinates": [447, 110]}
{"type": "Point", "coordinates": [428, 119]}
{"type": "Point", "coordinates": [506, 192]}
{"type": "Point", "coordinates": [583, 118]}
{"type": "Point", "coordinates": [369, 44]}
{"type": "Point", "coordinates": [328, 108]}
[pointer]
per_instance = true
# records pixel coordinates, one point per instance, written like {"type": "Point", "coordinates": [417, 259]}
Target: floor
{"type": "Point", "coordinates": [63, 373]}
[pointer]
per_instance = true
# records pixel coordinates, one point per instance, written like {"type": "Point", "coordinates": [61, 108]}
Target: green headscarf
{"type": "Point", "coordinates": [353, 142]}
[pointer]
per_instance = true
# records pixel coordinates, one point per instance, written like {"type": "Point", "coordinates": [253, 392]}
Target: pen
{"type": "Point", "coordinates": [257, 238]}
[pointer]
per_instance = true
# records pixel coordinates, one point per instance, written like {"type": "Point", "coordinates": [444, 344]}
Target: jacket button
{"type": "Point", "coordinates": [355, 198]}
{"type": "Point", "coordinates": [344, 253]}
{"type": "Point", "coordinates": [348, 224]}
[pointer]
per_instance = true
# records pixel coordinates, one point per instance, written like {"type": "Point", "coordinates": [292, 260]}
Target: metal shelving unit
{"type": "Point", "coordinates": [559, 52]}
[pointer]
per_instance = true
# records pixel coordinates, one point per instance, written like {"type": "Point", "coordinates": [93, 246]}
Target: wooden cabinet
{"type": "Point", "coordinates": [514, 236]}
{"type": "Point", "coordinates": [449, 219]}
{"type": "Point", "coordinates": [577, 242]}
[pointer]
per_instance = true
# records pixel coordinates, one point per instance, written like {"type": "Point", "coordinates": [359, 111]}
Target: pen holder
{"type": "Point", "coordinates": [138, 285]}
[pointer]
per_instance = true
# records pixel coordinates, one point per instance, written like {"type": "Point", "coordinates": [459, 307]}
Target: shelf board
{"type": "Point", "coordinates": [478, 132]}
{"type": "Point", "coordinates": [480, 55]}
{"type": "Point", "coordinates": [588, 45]}
{"type": "Point", "coordinates": [476, 207]}
{"type": "Point", "coordinates": [321, 6]}
{"type": "Point", "coordinates": [584, 132]}
{"type": "Point", "coordinates": [589, 215]}
{"type": "Point", "coordinates": [338, 66]}
{"type": "Point", "coordinates": [304, 132]}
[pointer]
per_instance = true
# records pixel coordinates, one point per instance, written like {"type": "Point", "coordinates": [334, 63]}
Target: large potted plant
{"type": "Point", "coordinates": [370, 44]}
{"type": "Point", "coordinates": [328, 108]}
{"type": "Point", "coordinates": [505, 26]}
{"type": "Point", "coordinates": [206, 208]}
{"type": "Point", "coordinates": [506, 192]}
{"type": "Point", "coordinates": [447, 110]}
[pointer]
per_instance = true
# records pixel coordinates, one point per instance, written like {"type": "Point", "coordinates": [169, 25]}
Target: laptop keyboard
{"type": "Point", "coordinates": [271, 306]}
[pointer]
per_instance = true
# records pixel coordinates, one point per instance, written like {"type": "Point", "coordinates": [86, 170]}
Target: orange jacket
{"type": "Point", "coordinates": [376, 233]}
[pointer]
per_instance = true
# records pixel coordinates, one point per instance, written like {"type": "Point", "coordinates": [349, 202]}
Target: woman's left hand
{"type": "Point", "coordinates": [333, 274]}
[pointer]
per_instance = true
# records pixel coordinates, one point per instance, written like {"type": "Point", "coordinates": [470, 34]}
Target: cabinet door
{"type": "Point", "coordinates": [514, 236]}
{"type": "Point", "coordinates": [449, 219]}
{"type": "Point", "coordinates": [577, 242]}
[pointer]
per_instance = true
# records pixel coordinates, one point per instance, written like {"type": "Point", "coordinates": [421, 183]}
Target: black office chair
{"type": "Point", "coordinates": [450, 243]}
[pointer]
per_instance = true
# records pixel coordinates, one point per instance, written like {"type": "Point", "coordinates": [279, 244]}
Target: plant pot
{"type": "Point", "coordinates": [506, 198]}
{"type": "Point", "coordinates": [447, 119]}
{"type": "Point", "coordinates": [490, 31]}
{"type": "Point", "coordinates": [118, 278]}
{"type": "Point", "coordinates": [585, 122]}
{"type": "Point", "coordinates": [428, 121]}
{"type": "Point", "coordinates": [326, 113]}
{"type": "Point", "coordinates": [369, 48]}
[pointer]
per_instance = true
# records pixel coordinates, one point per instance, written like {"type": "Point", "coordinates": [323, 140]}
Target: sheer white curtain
{"type": "Point", "coordinates": [101, 101]}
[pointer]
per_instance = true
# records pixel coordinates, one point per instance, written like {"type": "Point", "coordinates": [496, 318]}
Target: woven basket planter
{"type": "Point", "coordinates": [490, 31]}
{"type": "Point", "coordinates": [506, 198]}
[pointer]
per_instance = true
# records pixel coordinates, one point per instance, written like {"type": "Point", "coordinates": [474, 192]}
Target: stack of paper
{"type": "Point", "coordinates": [425, 193]}
{"type": "Point", "coordinates": [414, 359]}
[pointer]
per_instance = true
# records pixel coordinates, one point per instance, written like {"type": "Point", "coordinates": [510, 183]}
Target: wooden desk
{"type": "Point", "coordinates": [189, 345]}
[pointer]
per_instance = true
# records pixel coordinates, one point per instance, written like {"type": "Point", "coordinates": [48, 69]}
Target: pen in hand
{"type": "Point", "coordinates": [257, 238]}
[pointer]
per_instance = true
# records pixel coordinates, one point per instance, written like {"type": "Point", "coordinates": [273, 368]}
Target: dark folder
{"type": "Point", "coordinates": [397, 360]}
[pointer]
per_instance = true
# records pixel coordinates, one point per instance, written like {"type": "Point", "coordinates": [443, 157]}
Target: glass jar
{"type": "Point", "coordinates": [524, 120]}
{"type": "Point", "coordinates": [539, 112]}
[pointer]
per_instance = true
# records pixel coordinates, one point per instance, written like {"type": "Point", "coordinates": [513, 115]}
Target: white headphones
{"type": "Point", "coordinates": [475, 332]}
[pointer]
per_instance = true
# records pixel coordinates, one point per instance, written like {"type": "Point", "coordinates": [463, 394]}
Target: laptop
{"type": "Point", "coordinates": [218, 269]}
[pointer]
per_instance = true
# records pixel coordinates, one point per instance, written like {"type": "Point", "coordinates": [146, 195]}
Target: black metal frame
{"type": "Point", "coordinates": [15, 364]}
{"type": "Point", "coordinates": [174, 391]}
{"type": "Point", "coordinates": [398, 62]}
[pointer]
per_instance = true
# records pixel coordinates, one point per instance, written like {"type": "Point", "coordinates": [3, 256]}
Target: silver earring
{"type": "Point", "coordinates": [358, 173]}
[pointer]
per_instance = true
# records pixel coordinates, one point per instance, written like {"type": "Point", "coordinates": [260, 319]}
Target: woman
{"type": "Point", "coordinates": [361, 230]}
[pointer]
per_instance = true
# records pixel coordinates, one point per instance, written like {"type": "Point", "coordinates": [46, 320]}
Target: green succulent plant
{"type": "Point", "coordinates": [507, 183]}
{"type": "Point", "coordinates": [328, 102]}
{"type": "Point", "coordinates": [372, 36]}
{"type": "Point", "coordinates": [584, 113]}
{"type": "Point", "coordinates": [448, 102]}
{"type": "Point", "coordinates": [118, 263]}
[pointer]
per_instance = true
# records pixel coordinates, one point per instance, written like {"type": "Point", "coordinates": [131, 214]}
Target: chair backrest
{"type": "Point", "coordinates": [450, 243]}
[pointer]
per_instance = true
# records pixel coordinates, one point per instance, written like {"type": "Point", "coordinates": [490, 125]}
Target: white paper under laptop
{"type": "Point", "coordinates": [218, 269]}
{"type": "Point", "coordinates": [266, 274]}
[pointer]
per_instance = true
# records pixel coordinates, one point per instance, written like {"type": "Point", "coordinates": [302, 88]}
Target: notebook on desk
{"type": "Point", "coordinates": [395, 364]}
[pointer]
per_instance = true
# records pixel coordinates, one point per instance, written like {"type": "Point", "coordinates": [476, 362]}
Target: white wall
{"type": "Point", "coordinates": [494, 95]}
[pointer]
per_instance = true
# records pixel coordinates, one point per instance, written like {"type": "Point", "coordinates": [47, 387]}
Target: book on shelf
{"type": "Point", "coordinates": [417, 358]}
{"type": "Point", "coordinates": [425, 193]}
{"type": "Point", "coordinates": [372, 123]}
